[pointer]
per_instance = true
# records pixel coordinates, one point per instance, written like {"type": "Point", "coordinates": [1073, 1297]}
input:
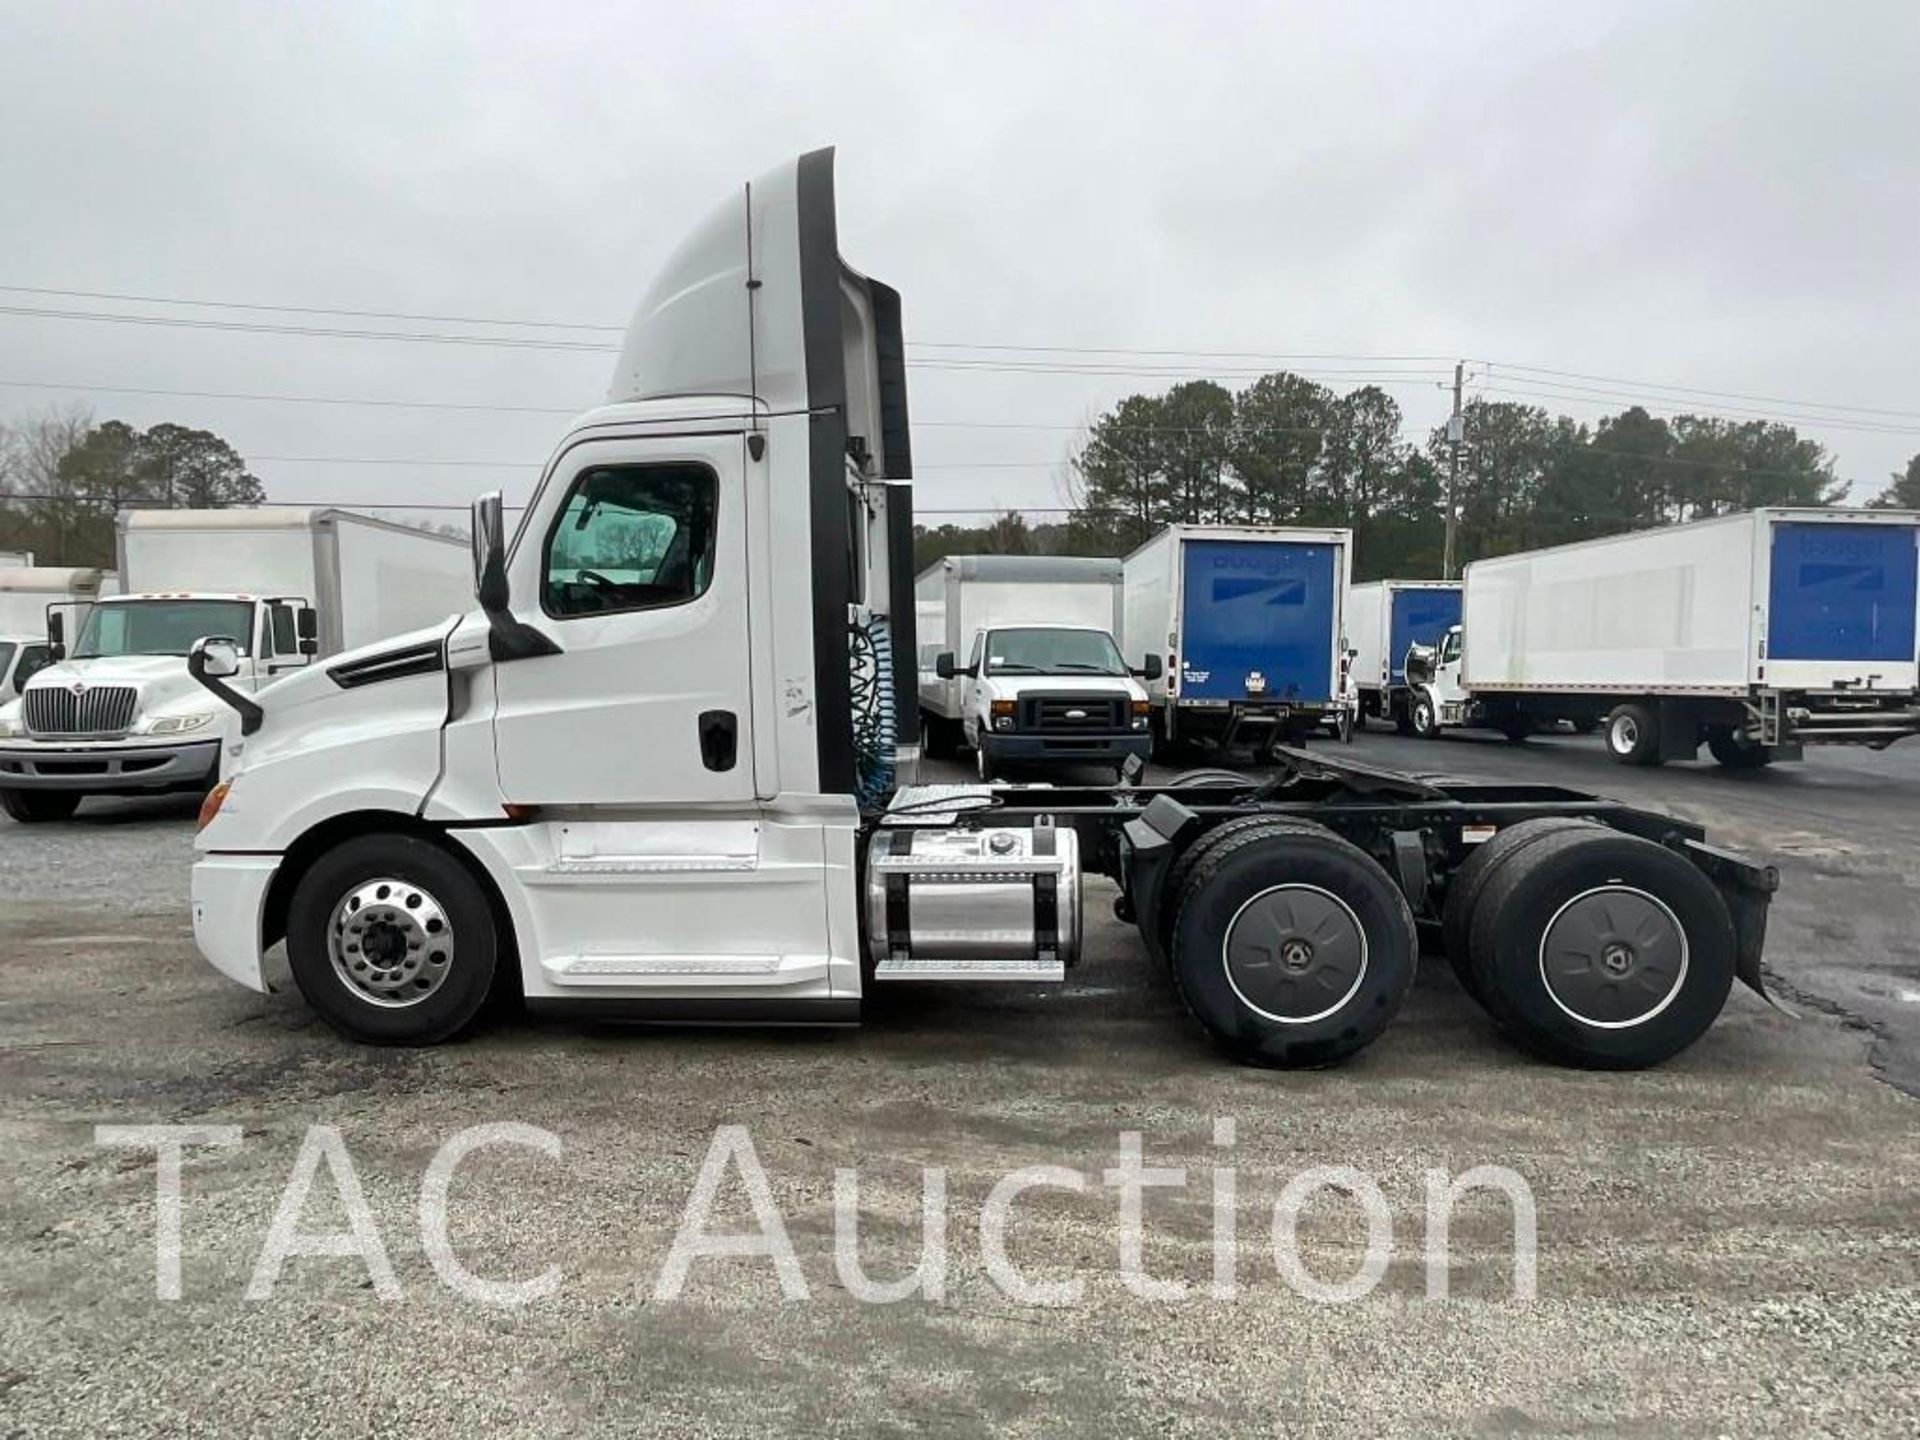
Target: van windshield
{"type": "Point", "coordinates": [1044, 651]}
{"type": "Point", "coordinates": [162, 627]}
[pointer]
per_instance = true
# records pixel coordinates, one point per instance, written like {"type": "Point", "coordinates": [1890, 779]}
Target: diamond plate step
{"type": "Point", "coordinates": [1018, 970]}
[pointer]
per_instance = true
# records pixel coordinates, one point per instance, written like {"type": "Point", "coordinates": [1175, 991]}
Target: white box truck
{"type": "Point", "coordinates": [656, 795]}
{"type": "Point", "coordinates": [15, 559]}
{"type": "Point", "coordinates": [1755, 634]}
{"type": "Point", "coordinates": [27, 594]}
{"type": "Point", "coordinates": [1385, 620]}
{"type": "Point", "coordinates": [1247, 624]}
{"type": "Point", "coordinates": [1018, 662]}
{"type": "Point", "coordinates": [117, 712]}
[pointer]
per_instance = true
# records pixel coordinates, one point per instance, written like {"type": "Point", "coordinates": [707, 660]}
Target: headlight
{"type": "Point", "coordinates": [178, 724]}
{"type": "Point", "coordinates": [11, 729]}
{"type": "Point", "coordinates": [1003, 722]}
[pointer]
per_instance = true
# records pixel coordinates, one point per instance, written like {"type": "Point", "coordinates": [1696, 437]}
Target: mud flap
{"type": "Point", "coordinates": [1747, 889]}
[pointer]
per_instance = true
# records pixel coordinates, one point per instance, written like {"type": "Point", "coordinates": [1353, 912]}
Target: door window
{"type": "Point", "coordinates": [285, 640]}
{"type": "Point", "coordinates": [631, 537]}
{"type": "Point", "coordinates": [33, 660]}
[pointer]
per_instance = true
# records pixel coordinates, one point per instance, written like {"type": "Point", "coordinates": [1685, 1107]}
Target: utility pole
{"type": "Point", "coordinates": [1456, 432]}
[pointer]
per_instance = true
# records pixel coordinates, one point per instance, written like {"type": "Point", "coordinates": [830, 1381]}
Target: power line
{"type": "Point", "coordinates": [309, 309]}
{"type": "Point", "coordinates": [1694, 390]}
{"type": "Point", "coordinates": [309, 331]}
{"type": "Point", "coordinates": [291, 399]}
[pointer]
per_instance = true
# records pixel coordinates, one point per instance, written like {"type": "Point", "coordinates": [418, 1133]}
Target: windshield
{"type": "Point", "coordinates": [1053, 652]}
{"type": "Point", "coordinates": [162, 627]}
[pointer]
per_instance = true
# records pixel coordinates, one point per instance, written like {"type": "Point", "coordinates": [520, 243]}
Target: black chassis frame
{"type": "Point", "coordinates": [1412, 825]}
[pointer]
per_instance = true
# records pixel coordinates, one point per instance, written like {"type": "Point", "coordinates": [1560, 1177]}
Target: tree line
{"type": "Point", "coordinates": [1286, 450]}
{"type": "Point", "coordinates": [63, 477]}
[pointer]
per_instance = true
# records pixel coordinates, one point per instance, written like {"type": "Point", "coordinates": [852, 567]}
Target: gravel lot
{"type": "Point", "coordinates": [1728, 1245]}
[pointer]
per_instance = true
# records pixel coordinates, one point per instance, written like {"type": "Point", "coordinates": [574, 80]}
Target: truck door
{"type": "Point", "coordinates": [1257, 607]}
{"type": "Point", "coordinates": [1843, 594]}
{"type": "Point", "coordinates": [1420, 617]}
{"type": "Point", "coordinates": [635, 563]}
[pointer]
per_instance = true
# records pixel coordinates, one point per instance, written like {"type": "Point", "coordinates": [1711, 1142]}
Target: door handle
{"type": "Point", "coordinates": [719, 739]}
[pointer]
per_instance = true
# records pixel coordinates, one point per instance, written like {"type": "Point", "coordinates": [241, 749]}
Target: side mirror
{"type": "Point", "coordinates": [943, 665]}
{"type": "Point", "coordinates": [218, 657]}
{"type": "Point", "coordinates": [1150, 668]}
{"type": "Point", "coordinates": [57, 634]}
{"type": "Point", "coordinates": [490, 553]}
{"type": "Point", "coordinates": [306, 623]}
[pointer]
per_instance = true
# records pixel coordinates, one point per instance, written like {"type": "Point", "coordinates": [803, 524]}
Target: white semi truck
{"type": "Point", "coordinates": [1018, 662]}
{"type": "Point", "coordinates": [117, 713]}
{"type": "Point", "coordinates": [663, 789]}
{"type": "Point", "coordinates": [1755, 634]}
{"type": "Point", "coordinates": [1246, 625]}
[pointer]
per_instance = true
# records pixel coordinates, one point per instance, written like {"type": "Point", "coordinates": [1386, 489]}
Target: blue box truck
{"type": "Point", "coordinates": [1386, 619]}
{"type": "Point", "coordinates": [1248, 622]}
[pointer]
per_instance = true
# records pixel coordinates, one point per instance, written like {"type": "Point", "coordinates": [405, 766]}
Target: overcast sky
{"type": "Point", "coordinates": [1722, 196]}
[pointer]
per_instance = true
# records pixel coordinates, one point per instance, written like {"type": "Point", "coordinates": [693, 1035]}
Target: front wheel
{"type": "Point", "coordinates": [1633, 735]}
{"type": "Point", "coordinates": [983, 763]}
{"type": "Point", "coordinates": [1425, 718]}
{"type": "Point", "coordinates": [392, 941]}
{"type": "Point", "coordinates": [30, 807]}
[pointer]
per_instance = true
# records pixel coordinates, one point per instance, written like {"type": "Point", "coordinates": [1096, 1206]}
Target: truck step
{"type": "Point", "coordinates": [1017, 970]}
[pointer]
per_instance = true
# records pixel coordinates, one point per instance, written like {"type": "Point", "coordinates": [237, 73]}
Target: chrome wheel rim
{"type": "Point", "coordinates": [1626, 734]}
{"type": "Point", "coordinates": [391, 943]}
{"type": "Point", "coordinates": [1613, 957]}
{"type": "Point", "coordinates": [1295, 953]}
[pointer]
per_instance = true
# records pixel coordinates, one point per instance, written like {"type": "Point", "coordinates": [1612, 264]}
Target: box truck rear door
{"type": "Point", "coordinates": [1262, 608]}
{"type": "Point", "coordinates": [1420, 617]}
{"type": "Point", "coordinates": [1842, 593]}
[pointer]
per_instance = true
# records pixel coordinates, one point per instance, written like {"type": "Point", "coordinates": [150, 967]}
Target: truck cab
{"type": "Point", "coordinates": [115, 712]}
{"type": "Point", "coordinates": [1048, 695]}
{"type": "Point", "coordinates": [21, 657]}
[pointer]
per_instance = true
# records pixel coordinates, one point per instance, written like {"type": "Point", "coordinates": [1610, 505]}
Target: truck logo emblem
{"type": "Point", "coordinates": [77, 689]}
{"type": "Point", "coordinates": [1076, 714]}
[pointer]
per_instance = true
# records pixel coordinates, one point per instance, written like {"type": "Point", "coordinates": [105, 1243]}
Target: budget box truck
{"type": "Point", "coordinates": [1018, 662]}
{"type": "Point", "coordinates": [117, 713]}
{"type": "Point", "coordinates": [1755, 634]}
{"type": "Point", "coordinates": [1385, 620]}
{"type": "Point", "coordinates": [669, 795]}
{"type": "Point", "coordinates": [1247, 625]}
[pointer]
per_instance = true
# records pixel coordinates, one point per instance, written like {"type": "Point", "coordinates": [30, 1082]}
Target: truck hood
{"type": "Point", "coordinates": [161, 682]}
{"type": "Point", "coordinates": [1011, 687]}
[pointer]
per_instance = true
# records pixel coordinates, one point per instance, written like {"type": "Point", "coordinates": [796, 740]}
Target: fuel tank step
{"type": "Point", "coordinates": [916, 969]}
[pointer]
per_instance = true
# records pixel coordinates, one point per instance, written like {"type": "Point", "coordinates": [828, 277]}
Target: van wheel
{"type": "Point", "coordinates": [1424, 720]}
{"type": "Point", "coordinates": [30, 807]}
{"type": "Point", "coordinates": [936, 737]}
{"type": "Point", "coordinates": [1633, 734]}
{"type": "Point", "coordinates": [1470, 880]}
{"type": "Point", "coordinates": [983, 764]}
{"type": "Point", "coordinates": [1292, 947]}
{"type": "Point", "coordinates": [1602, 950]}
{"type": "Point", "coordinates": [1737, 752]}
{"type": "Point", "coordinates": [392, 941]}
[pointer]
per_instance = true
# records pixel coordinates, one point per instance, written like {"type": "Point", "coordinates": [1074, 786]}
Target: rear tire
{"type": "Point", "coordinates": [1736, 752]}
{"type": "Point", "coordinates": [1516, 728]}
{"type": "Point", "coordinates": [1402, 720]}
{"type": "Point", "coordinates": [438, 947]}
{"type": "Point", "coordinates": [30, 807]}
{"type": "Point", "coordinates": [1633, 734]}
{"type": "Point", "coordinates": [1602, 950]}
{"type": "Point", "coordinates": [1292, 948]}
{"type": "Point", "coordinates": [1470, 882]}
{"type": "Point", "coordinates": [937, 737]}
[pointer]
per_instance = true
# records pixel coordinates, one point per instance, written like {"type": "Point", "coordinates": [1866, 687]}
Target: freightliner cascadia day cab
{"type": "Point", "coordinates": [1246, 624]}
{"type": "Point", "coordinates": [1018, 662]}
{"type": "Point", "coordinates": [1756, 634]}
{"type": "Point", "coordinates": [666, 791]}
{"type": "Point", "coordinates": [1385, 620]}
{"type": "Point", "coordinates": [118, 713]}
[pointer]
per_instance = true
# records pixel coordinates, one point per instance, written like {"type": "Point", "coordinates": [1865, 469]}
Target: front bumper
{"type": "Point", "coordinates": [229, 908]}
{"type": "Point", "coordinates": [1013, 748]}
{"type": "Point", "coordinates": [120, 768]}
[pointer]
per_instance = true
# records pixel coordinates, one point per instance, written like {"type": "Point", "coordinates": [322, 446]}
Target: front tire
{"type": "Point", "coordinates": [1602, 950]}
{"type": "Point", "coordinates": [392, 941]}
{"type": "Point", "coordinates": [1292, 947]}
{"type": "Point", "coordinates": [31, 807]}
{"type": "Point", "coordinates": [983, 763]}
{"type": "Point", "coordinates": [1423, 718]}
{"type": "Point", "coordinates": [1633, 735]}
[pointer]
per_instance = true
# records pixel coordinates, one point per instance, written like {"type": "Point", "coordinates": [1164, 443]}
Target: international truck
{"type": "Point", "coordinates": [118, 714]}
{"type": "Point", "coordinates": [1755, 634]}
{"type": "Point", "coordinates": [1247, 625]}
{"type": "Point", "coordinates": [1018, 663]}
{"type": "Point", "coordinates": [1386, 619]}
{"type": "Point", "coordinates": [667, 791]}
{"type": "Point", "coordinates": [28, 595]}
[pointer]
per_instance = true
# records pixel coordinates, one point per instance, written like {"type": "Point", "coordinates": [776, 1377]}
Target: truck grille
{"type": "Point", "coordinates": [1073, 714]}
{"type": "Point", "coordinates": [101, 710]}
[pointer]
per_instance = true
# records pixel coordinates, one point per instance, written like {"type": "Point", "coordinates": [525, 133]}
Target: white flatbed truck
{"type": "Point", "coordinates": [665, 791]}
